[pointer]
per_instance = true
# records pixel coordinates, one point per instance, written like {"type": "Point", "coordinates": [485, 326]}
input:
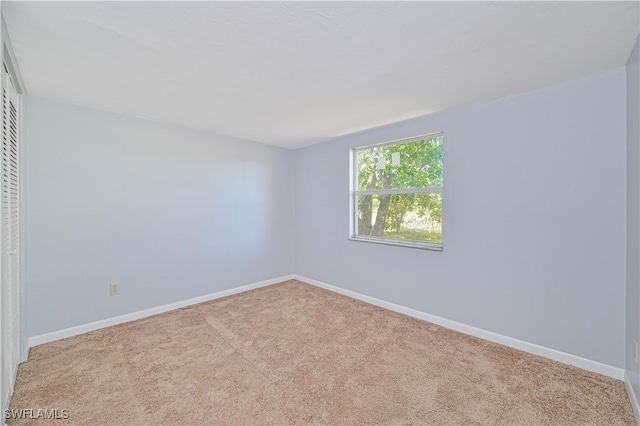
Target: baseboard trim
{"type": "Point", "coordinates": [632, 397]}
{"type": "Point", "coordinates": [563, 357]}
{"type": "Point", "coordinates": [92, 326]}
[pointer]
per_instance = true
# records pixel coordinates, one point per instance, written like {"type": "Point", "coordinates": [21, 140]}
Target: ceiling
{"type": "Point", "coordinates": [296, 73]}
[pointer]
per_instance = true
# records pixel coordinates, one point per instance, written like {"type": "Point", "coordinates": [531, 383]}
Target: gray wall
{"type": "Point", "coordinates": [633, 217]}
{"type": "Point", "coordinates": [534, 219]}
{"type": "Point", "coordinates": [166, 212]}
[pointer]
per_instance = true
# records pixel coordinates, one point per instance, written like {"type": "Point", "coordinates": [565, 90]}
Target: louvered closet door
{"type": "Point", "coordinates": [10, 295]}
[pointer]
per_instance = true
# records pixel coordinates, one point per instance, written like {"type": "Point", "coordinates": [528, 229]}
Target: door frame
{"type": "Point", "coordinates": [7, 58]}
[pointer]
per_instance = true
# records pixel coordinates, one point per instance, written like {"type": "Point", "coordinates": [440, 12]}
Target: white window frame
{"type": "Point", "coordinates": [354, 193]}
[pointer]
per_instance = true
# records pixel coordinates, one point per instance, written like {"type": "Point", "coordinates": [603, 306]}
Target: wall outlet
{"type": "Point", "coordinates": [114, 289]}
{"type": "Point", "coordinates": [635, 351]}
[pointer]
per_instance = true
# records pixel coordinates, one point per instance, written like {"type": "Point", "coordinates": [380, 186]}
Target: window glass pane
{"type": "Point", "coordinates": [415, 217]}
{"type": "Point", "coordinates": [415, 164]}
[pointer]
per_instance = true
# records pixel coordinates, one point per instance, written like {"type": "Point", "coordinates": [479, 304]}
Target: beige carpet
{"type": "Point", "coordinates": [295, 354]}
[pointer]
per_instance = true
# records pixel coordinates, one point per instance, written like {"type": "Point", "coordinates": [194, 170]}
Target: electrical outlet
{"type": "Point", "coordinates": [635, 351]}
{"type": "Point", "coordinates": [114, 289]}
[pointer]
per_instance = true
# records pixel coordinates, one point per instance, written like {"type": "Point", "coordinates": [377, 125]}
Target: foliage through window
{"type": "Point", "coordinates": [397, 192]}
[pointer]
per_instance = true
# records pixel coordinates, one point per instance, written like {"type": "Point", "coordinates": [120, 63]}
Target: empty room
{"type": "Point", "coordinates": [306, 213]}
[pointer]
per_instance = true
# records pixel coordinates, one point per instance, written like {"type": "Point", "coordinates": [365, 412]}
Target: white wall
{"type": "Point", "coordinates": [633, 217]}
{"type": "Point", "coordinates": [534, 219]}
{"type": "Point", "coordinates": [167, 213]}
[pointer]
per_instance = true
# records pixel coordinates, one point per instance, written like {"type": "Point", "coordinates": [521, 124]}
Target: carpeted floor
{"type": "Point", "coordinates": [292, 353]}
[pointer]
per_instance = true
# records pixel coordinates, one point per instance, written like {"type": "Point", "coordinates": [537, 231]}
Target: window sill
{"type": "Point", "coordinates": [400, 243]}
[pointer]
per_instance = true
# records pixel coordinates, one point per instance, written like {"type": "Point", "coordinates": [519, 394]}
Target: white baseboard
{"type": "Point", "coordinates": [85, 328]}
{"type": "Point", "coordinates": [565, 358]}
{"type": "Point", "coordinates": [632, 397]}
{"type": "Point", "coordinates": [586, 364]}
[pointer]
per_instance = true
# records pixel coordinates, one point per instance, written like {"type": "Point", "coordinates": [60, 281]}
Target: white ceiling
{"type": "Point", "coordinates": [296, 73]}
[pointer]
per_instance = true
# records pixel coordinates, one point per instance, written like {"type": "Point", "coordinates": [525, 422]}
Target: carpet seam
{"type": "Point", "coordinates": [236, 350]}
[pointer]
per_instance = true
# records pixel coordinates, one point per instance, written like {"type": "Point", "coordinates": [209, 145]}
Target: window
{"type": "Point", "coordinates": [396, 195]}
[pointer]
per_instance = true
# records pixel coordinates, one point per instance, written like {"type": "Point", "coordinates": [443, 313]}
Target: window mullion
{"type": "Point", "coordinates": [432, 189]}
